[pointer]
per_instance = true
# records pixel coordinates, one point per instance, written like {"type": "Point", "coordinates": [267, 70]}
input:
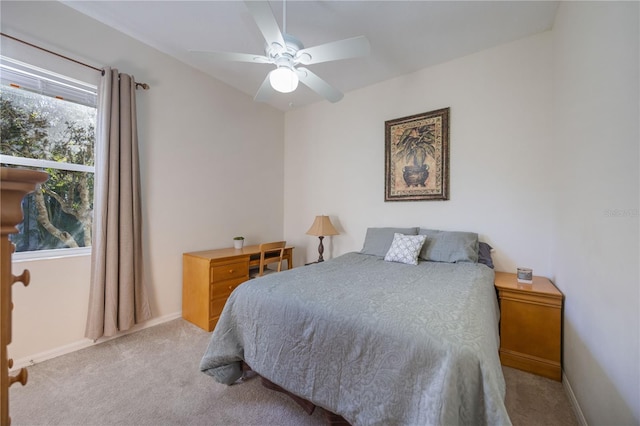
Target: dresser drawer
{"type": "Point", "coordinates": [229, 271]}
{"type": "Point", "coordinates": [218, 300]}
{"type": "Point", "coordinates": [223, 289]}
{"type": "Point", "coordinates": [215, 307]}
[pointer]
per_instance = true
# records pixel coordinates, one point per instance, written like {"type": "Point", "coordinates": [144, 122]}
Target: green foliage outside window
{"type": "Point", "coordinates": [59, 214]}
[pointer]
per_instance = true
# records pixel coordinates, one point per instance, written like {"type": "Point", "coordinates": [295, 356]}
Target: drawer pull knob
{"type": "Point", "coordinates": [20, 377]}
{"type": "Point", "coordinates": [24, 278]}
{"type": "Point", "coordinates": [231, 271]}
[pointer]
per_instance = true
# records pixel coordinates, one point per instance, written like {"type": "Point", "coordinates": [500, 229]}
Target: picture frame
{"type": "Point", "coordinates": [417, 157]}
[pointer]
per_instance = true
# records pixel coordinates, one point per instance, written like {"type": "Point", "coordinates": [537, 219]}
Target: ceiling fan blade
{"type": "Point", "coordinates": [265, 92]}
{"type": "Point", "coordinates": [336, 50]}
{"type": "Point", "coordinates": [318, 85]}
{"type": "Point", "coordinates": [235, 57]}
{"type": "Point", "coordinates": [266, 22]}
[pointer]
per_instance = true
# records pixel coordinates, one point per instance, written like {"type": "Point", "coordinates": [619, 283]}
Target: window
{"type": "Point", "coordinates": [48, 123]}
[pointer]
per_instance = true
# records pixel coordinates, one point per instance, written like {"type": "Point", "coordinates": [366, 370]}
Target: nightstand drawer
{"type": "Point", "coordinates": [531, 329]}
{"type": "Point", "coordinates": [229, 271]}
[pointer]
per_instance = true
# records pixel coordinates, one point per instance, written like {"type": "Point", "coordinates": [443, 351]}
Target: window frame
{"type": "Point", "coordinates": [47, 83]}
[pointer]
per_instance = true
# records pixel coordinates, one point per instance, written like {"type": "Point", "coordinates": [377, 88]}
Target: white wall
{"type": "Point", "coordinates": [544, 165]}
{"type": "Point", "coordinates": [595, 242]}
{"type": "Point", "coordinates": [207, 153]}
{"type": "Point", "coordinates": [544, 142]}
{"type": "Point", "coordinates": [501, 107]}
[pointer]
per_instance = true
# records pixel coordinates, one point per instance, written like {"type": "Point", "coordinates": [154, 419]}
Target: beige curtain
{"type": "Point", "coordinates": [117, 298]}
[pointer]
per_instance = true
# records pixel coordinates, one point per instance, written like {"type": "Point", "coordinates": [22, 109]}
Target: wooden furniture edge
{"type": "Point", "coordinates": [14, 185]}
{"type": "Point", "coordinates": [532, 364]}
{"type": "Point", "coordinates": [507, 281]}
{"type": "Point", "coordinates": [232, 254]}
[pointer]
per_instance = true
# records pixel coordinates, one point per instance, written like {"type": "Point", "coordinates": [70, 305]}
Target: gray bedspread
{"type": "Point", "coordinates": [376, 342]}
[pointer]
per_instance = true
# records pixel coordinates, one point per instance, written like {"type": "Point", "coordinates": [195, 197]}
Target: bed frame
{"type": "Point", "coordinates": [309, 407]}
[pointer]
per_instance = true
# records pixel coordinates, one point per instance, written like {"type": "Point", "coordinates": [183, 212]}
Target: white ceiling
{"type": "Point", "coordinates": [405, 36]}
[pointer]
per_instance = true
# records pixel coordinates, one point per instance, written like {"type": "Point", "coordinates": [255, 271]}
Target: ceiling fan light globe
{"type": "Point", "coordinates": [283, 80]}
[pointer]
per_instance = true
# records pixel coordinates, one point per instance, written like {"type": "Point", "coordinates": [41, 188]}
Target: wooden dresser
{"type": "Point", "coordinates": [530, 325]}
{"type": "Point", "coordinates": [209, 277]}
{"type": "Point", "coordinates": [14, 185]}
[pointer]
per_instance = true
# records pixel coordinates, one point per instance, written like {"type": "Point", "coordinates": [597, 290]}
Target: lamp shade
{"type": "Point", "coordinates": [283, 80]}
{"type": "Point", "coordinates": [322, 227]}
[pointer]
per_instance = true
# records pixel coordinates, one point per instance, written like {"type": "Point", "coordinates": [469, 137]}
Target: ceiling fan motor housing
{"type": "Point", "coordinates": [286, 55]}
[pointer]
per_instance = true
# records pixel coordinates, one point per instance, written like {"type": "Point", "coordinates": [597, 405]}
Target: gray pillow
{"type": "Point", "coordinates": [378, 240]}
{"type": "Point", "coordinates": [484, 254]}
{"type": "Point", "coordinates": [449, 246]}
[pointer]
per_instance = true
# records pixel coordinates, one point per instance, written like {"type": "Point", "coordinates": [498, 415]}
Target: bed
{"type": "Point", "coordinates": [374, 340]}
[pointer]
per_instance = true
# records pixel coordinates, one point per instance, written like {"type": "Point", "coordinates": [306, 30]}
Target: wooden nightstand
{"type": "Point", "coordinates": [530, 325]}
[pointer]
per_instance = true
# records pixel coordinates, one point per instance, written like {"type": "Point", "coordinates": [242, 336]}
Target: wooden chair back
{"type": "Point", "coordinates": [271, 253]}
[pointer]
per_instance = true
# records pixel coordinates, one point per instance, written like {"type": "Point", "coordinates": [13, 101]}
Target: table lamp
{"type": "Point", "coordinates": [321, 228]}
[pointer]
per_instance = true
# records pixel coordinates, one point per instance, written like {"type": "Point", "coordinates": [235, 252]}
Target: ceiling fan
{"type": "Point", "coordinates": [287, 53]}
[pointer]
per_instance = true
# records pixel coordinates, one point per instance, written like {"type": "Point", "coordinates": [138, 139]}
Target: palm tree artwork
{"type": "Point", "coordinates": [413, 147]}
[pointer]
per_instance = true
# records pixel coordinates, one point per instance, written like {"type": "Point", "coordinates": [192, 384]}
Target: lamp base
{"type": "Point", "coordinates": [320, 251]}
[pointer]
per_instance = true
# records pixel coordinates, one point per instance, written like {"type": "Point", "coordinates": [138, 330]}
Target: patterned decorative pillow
{"type": "Point", "coordinates": [405, 248]}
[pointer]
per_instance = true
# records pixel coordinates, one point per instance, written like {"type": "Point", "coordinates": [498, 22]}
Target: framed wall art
{"type": "Point", "coordinates": [417, 157]}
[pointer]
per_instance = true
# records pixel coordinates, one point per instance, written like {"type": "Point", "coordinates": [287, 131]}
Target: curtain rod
{"type": "Point", "coordinates": [145, 86]}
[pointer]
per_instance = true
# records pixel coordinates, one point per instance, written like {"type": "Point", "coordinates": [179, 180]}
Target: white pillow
{"type": "Point", "coordinates": [405, 248]}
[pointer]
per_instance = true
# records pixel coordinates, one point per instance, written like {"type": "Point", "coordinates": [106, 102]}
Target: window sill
{"type": "Point", "coordinates": [50, 254]}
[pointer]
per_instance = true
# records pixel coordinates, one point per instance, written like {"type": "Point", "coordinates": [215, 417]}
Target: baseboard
{"type": "Point", "coordinates": [574, 402]}
{"type": "Point", "coordinates": [85, 343]}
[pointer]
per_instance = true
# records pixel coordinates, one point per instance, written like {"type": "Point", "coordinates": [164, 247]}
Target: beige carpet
{"type": "Point", "coordinates": [152, 378]}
